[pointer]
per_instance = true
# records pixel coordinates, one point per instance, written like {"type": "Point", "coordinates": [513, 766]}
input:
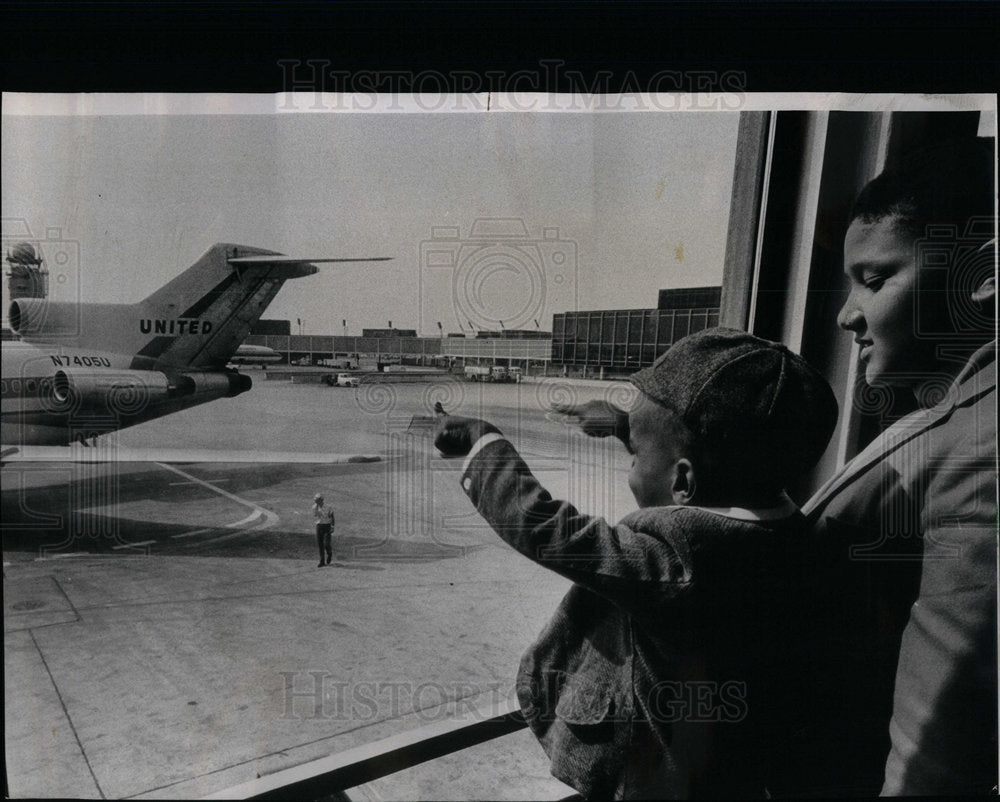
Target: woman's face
{"type": "Point", "coordinates": [881, 310]}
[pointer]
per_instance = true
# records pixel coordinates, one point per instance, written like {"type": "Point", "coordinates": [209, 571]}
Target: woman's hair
{"type": "Point", "coordinates": [950, 184]}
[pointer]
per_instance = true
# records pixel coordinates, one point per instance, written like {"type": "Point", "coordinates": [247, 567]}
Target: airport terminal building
{"type": "Point", "coordinates": [621, 341]}
{"type": "Point", "coordinates": [601, 344]}
{"type": "Point", "coordinates": [531, 353]}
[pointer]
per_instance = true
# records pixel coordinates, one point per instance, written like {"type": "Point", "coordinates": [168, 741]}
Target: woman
{"type": "Point", "coordinates": [907, 531]}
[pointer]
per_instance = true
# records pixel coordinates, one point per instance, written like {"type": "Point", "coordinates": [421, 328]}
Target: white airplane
{"type": "Point", "coordinates": [82, 370]}
{"type": "Point", "coordinates": [254, 355]}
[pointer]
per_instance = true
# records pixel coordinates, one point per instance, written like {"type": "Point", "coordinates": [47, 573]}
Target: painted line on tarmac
{"type": "Point", "coordinates": [67, 554]}
{"type": "Point", "coordinates": [230, 536]}
{"type": "Point", "coordinates": [159, 456]}
{"type": "Point", "coordinates": [194, 532]}
{"type": "Point", "coordinates": [178, 484]}
{"type": "Point", "coordinates": [94, 554]}
{"type": "Point", "coordinates": [258, 510]}
{"type": "Point", "coordinates": [133, 545]}
{"type": "Point", "coordinates": [253, 516]}
{"type": "Point", "coordinates": [270, 518]}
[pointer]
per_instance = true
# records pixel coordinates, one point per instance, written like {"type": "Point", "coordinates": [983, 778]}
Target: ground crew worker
{"type": "Point", "coordinates": [324, 529]}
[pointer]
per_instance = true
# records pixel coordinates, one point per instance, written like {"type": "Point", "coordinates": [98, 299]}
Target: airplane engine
{"type": "Point", "coordinates": [218, 384]}
{"type": "Point", "coordinates": [122, 392]}
{"type": "Point", "coordinates": [39, 316]}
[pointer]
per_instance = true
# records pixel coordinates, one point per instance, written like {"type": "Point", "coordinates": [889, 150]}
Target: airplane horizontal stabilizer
{"type": "Point", "coordinates": [294, 260]}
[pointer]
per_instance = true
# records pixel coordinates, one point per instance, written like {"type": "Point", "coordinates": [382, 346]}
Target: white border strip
{"type": "Point", "coordinates": [312, 102]}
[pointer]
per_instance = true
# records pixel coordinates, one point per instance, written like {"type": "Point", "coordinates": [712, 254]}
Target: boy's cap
{"type": "Point", "coordinates": [317, 497]}
{"type": "Point", "coordinates": [751, 397]}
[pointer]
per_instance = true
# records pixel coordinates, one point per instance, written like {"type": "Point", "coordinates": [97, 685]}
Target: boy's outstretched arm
{"type": "Point", "coordinates": [625, 565]}
{"type": "Point", "coordinates": [455, 436]}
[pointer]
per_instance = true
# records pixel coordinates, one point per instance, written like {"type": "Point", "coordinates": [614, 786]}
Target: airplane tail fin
{"type": "Point", "coordinates": [200, 318]}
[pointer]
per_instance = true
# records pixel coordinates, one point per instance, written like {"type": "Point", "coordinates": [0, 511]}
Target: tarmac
{"type": "Point", "coordinates": [167, 630]}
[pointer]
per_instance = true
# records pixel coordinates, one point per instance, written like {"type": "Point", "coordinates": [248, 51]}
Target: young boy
{"type": "Point", "coordinates": [662, 672]}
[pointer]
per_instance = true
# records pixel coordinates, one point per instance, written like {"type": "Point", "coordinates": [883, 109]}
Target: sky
{"type": "Point", "coordinates": [602, 210]}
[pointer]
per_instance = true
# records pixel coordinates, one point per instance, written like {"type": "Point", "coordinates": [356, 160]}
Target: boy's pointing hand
{"type": "Point", "coordinates": [454, 436]}
{"type": "Point", "coordinates": [598, 418]}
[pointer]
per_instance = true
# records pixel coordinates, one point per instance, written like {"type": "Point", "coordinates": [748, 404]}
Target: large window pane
{"type": "Point", "coordinates": [682, 324]}
{"type": "Point", "coordinates": [616, 207]}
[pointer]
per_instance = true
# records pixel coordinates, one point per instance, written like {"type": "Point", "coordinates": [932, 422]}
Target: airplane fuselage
{"type": "Point", "coordinates": [58, 395]}
{"type": "Point", "coordinates": [84, 369]}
